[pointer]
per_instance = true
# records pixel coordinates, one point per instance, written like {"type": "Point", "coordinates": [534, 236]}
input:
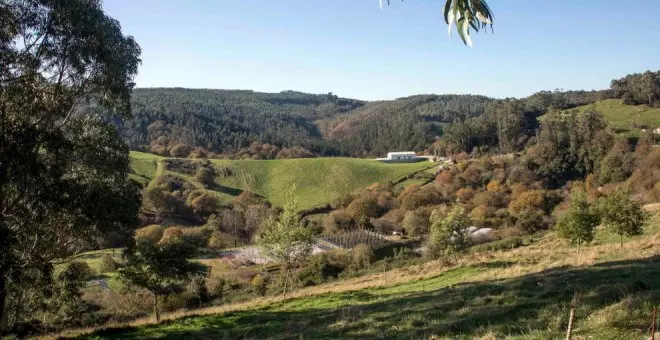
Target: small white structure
{"type": "Point", "coordinates": [404, 156]}
{"type": "Point", "coordinates": [657, 131]}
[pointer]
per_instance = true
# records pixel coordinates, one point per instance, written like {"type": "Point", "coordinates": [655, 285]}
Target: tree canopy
{"type": "Point", "coordinates": [63, 169]}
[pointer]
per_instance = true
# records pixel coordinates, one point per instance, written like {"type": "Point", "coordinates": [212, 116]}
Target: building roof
{"type": "Point", "coordinates": [401, 153]}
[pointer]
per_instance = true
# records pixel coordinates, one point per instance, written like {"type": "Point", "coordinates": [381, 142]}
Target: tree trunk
{"type": "Point", "coordinates": [3, 295]}
{"type": "Point", "coordinates": [156, 310]}
{"type": "Point", "coordinates": [621, 241]}
{"type": "Point", "coordinates": [286, 278]}
{"type": "Point", "coordinates": [579, 244]}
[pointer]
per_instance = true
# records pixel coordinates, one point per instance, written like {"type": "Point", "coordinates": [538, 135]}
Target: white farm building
{"type": "Point", "coordinates": [403, 156]}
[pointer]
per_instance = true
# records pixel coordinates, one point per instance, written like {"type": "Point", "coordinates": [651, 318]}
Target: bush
{"type": "Point", "coordinates": [151, 233]}
{"type": "Point", "coordinates": [417, 222]}
{"type": "Point", "coordinates": [205, 203]}
{"type": "Point", "coordinates": [322, 267]}
{"type": "Point", "coordinates": [503, 244]}
{"type": "Point", "coordinates": [79, 271]}
{"type": "Point", "coordinates": [363, 256]}
{"type": "Point", "coordinates": [108, 264]}
{"type": "Point", "coordinates": [259, 284]}
{"type": "Point", "coordinates": [530, 221]}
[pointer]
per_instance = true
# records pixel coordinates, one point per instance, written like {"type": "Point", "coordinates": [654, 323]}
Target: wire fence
{"type": "Point", "coordinates": [350, 239]}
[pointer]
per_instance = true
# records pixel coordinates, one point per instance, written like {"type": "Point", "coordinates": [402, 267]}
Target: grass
{"type": "Point", "coordinates": [621, 116]}
{"type": "Point", "coordinates": [525, 293]}
{"type": "Point", "coordinates": [316, 181]}
{"type": "Point", "coordinates": [144, 166]}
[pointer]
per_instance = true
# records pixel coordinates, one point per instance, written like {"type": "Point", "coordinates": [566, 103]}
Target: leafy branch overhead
{"type": "Point", "coordinates": [466, 15]}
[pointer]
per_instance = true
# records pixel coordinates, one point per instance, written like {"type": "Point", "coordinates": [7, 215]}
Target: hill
{"type": "Point", "coordinates": [525, 293]}
{"type": "Point", "coordinates": [317, 181]}
{"type": "Point", "coordinates": [229, 122]}
{"type": "Point", "coordinates": [626, 119]}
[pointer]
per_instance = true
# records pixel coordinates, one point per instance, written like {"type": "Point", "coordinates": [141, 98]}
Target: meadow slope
{"type": "Point", "coordinates": [524, 293]}
{"type": "Point", "coordinates": [626, 119]}
{"type": "Point", "coordinates": [315, 181]}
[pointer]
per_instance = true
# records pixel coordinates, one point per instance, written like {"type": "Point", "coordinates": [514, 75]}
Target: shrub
{"type": "Point", "coordinates": [503, 244]}
{"type": "Point", "coordinates": [206, 175]}
{"type": "Point", "coordinates": [364, 205]}
{"type": "Point", "coordinates": [220, 240]}
{"type": "Point", "coordinates": [205, 203]}
{"type": "Point", "coordinates": [526, 201]}
{"type": "Point", "coordinates": [77, 270]}
{"type": "Point", "coordinates": [322, 267]}
{"type": "Point", "coordinates": [464, 195]}
{"type": "Point", "coordinates": [530, 221]}
{"type": "Point", "coordinates": [180, 151]}
{"type": "Point", "coordinates": [259, 284]}
{"type": "Point", "coordinates": [417, 222]}
{"type": "Point", "coordinates": [152, 233]}
{"type": "Point", "coordinates": [363, 256]}
{"type": "Point", "coordinates": [108, 264]}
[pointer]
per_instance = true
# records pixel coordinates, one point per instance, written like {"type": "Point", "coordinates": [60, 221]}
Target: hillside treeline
{"type": "Point", "coordinates": [245, 124]}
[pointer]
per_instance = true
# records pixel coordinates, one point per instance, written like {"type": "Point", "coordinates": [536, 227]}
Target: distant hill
{"type": "Point", "coordinates": [317, 180]}
{"type": "Point", "coordinates": [237, 123]}
{"type": "Point", "coordinates": [626, 119]}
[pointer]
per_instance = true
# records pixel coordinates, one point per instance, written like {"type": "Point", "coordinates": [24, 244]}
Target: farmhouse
{"type": "Point", "coordinates": [404, 156]}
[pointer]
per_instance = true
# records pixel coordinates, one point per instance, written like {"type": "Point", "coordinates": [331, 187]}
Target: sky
{"type": "Point", "coordinates": [354, 49]}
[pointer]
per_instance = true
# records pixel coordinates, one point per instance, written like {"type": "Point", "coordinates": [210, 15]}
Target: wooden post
{"type": "Point", "coordinates": [571, 316]}
{"type": "Point", "coordinates": [653, 326]}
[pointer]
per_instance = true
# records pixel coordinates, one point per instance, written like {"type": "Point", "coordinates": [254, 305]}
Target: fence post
{"type": "Point", "coordinates": [653, 326]}
{"type": "Point", "coordinates": [571, 316]}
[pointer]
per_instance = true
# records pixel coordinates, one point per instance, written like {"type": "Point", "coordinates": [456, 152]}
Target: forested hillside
{"type": "Point", "coordinates": [247, 124]}
{"type": "Point", "coordinates": [241, 124]}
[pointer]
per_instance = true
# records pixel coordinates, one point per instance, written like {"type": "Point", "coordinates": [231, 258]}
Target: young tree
{"type": "Point", "coordinates": [63, 168]}
{"type": "Point", "coordinates": [450, 234]}
{"type": "Point", "coordinates": [622, 215]}
{"type": "Point", "coordinates": [161, 268]}
{"type": "Point", "coordinates": [579, 222]}
{"type": "Point", "coordinates": [286, 239]}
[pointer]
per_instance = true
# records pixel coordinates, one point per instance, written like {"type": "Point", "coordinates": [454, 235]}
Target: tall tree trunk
{"type": "Point", "coordinates": [621, 241]}
{"type": "Point", "coordinates": [3, 295]}
{"type": "Point", "coordinates": [156, 310]}
{"type": "Point", "coordinates": [579, 244]}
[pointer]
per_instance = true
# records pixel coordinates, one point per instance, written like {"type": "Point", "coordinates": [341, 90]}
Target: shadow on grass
{"type": "Point", "coordinates": [536, 303]}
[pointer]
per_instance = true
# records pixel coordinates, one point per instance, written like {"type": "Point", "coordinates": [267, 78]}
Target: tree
{"type": "Point", "coordinates": [63, 168]}
{"type": "Point", "coordinates": [161, 268]}
{"type": "Point", "coordinates": [285, 238]}
{"type": "Point", "coordinates": [450, 234]}
{"type": "Point", "coordinates": [465, 14]}
{"type": "Point", "coordinates": [622, 215]}
{"type": "Point", "coordinates": [617, 164]}
{"type": "Point", "coordinates": [205, 174]}
{"type": "Point", "coordinates": [579, 222]}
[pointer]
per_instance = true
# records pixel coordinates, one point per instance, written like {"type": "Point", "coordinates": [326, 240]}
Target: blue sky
{"type": "Point", "coordinates": [353, 49]}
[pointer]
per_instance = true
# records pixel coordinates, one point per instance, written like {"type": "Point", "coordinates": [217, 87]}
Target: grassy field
{"type": "Point", "coordinates": [317, 181]}
{"type": "Point", "coordinates": [144, 166]}
{"type": "Point", "coordinates": [525, 293]}
{"type": "Point", "coordinates": [621, 116]}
